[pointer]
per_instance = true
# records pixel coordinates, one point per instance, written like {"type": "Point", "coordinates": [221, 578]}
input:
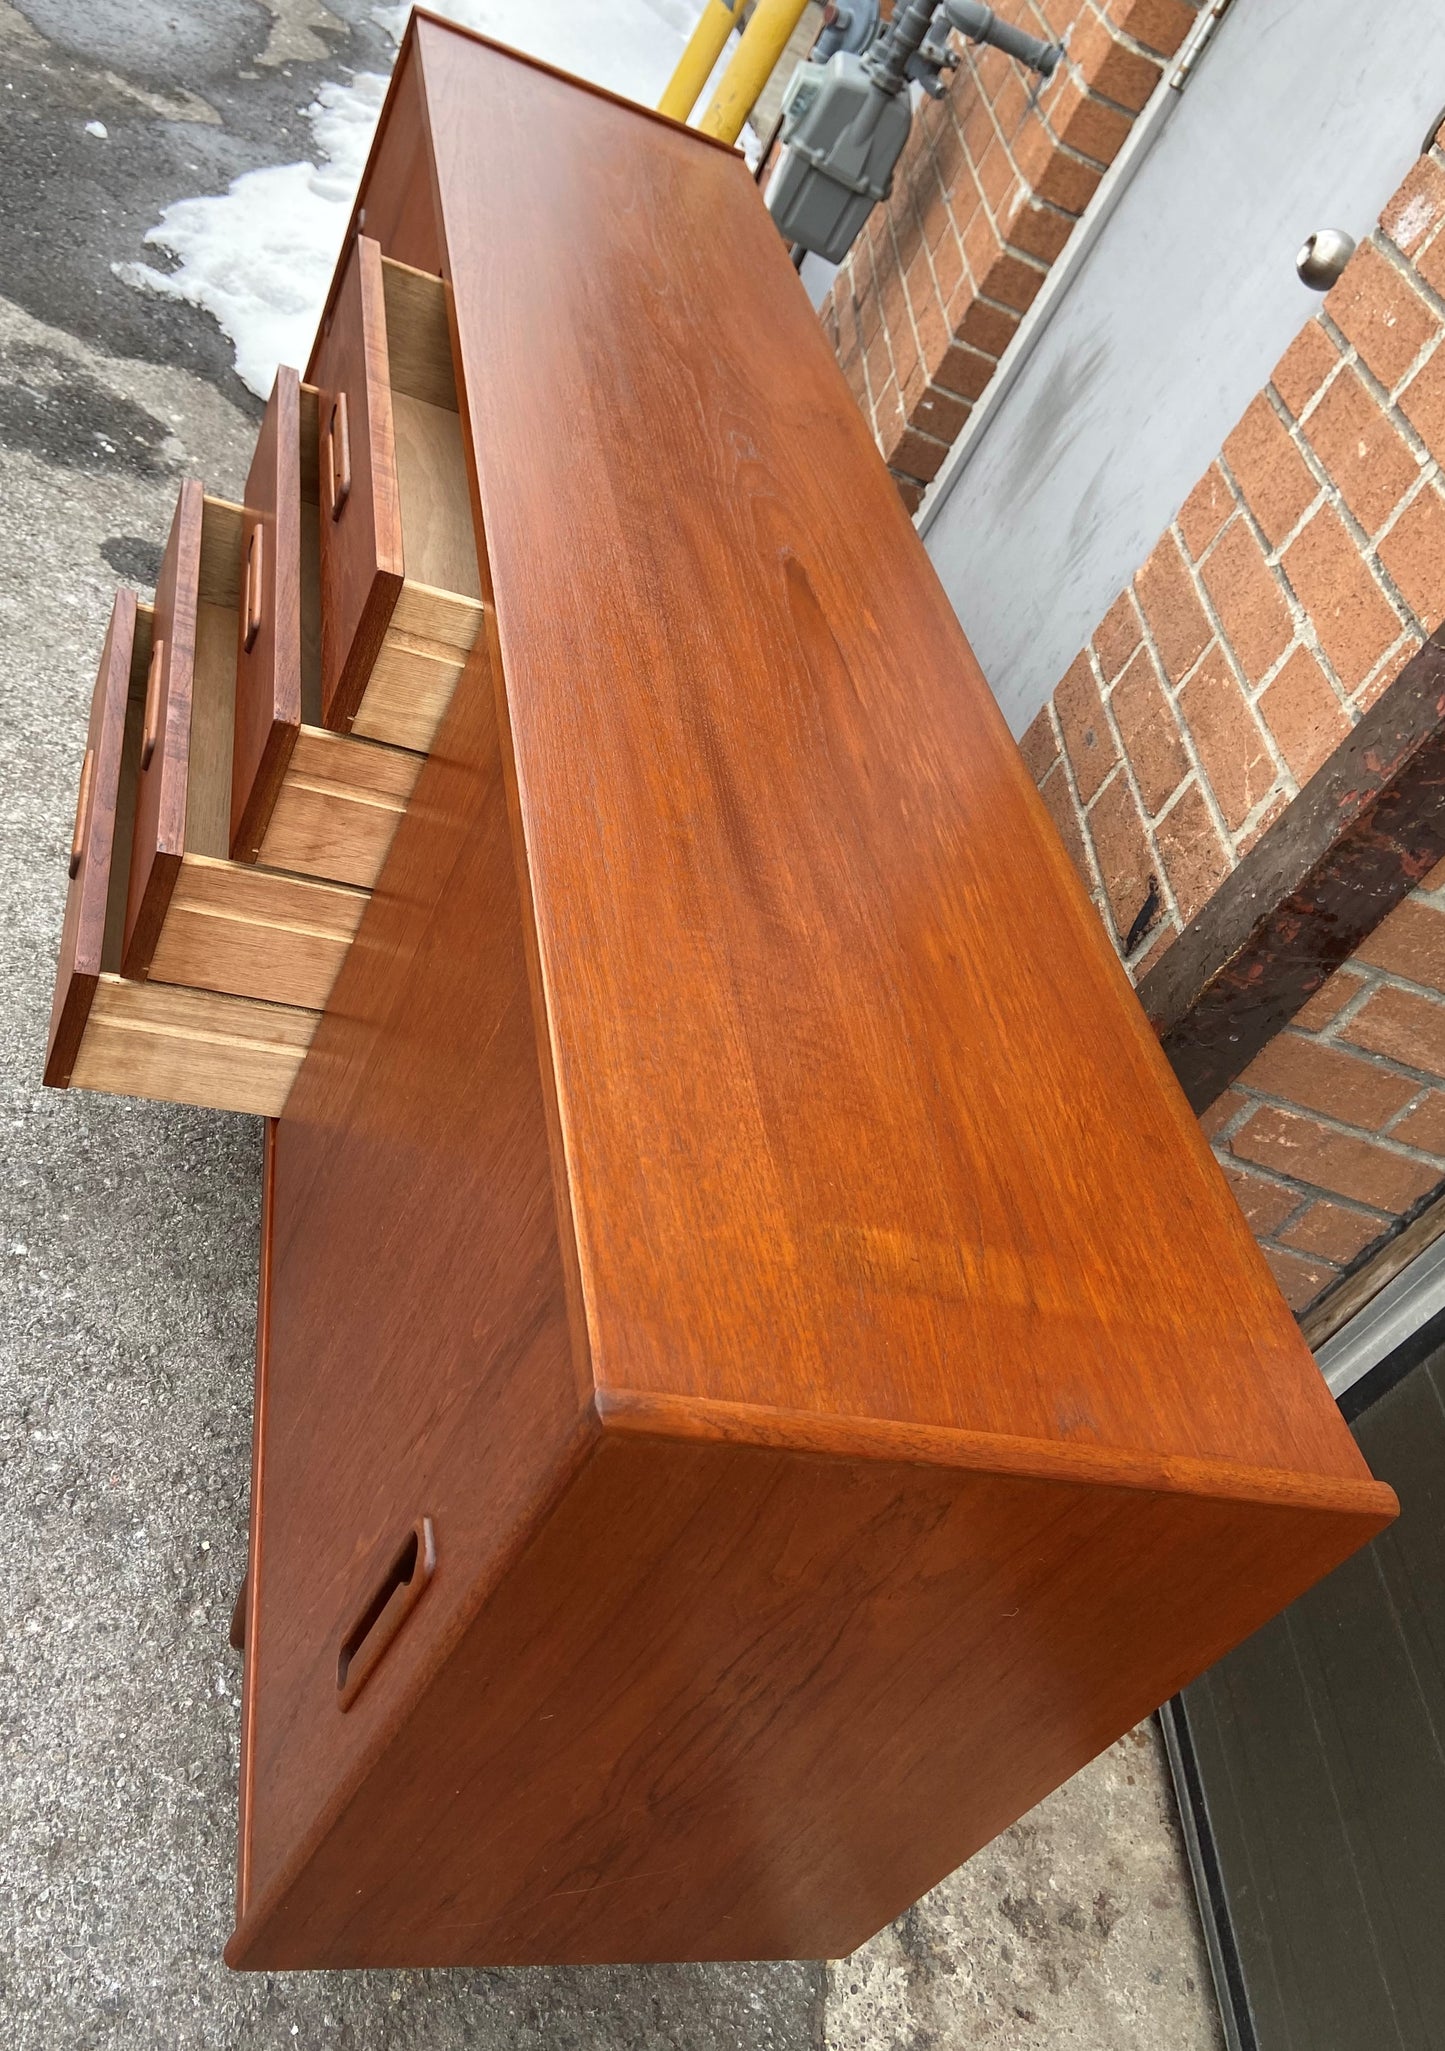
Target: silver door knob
{"type": "Point", "coordinates": [1323, 257]}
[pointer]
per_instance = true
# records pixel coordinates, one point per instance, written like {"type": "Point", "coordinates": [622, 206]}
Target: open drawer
{"type": "Point", "coordinates": [401, 591]}
{"type": "Point", "coordinates": [193, 916]}
{"type": "Point", "coordinates": [146, 1039]}
{"type": "Point", "coordinates": [302, 798]}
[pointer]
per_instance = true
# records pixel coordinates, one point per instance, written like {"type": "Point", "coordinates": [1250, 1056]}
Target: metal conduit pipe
{"type": "Point", "coordinates": [705, 45]}
{"type": "Point", "coordinates": [981, 25]}
{"type": "Point", "coordinates": [762, 43]}
{"type": "Point", "coordinates": [887, 62]}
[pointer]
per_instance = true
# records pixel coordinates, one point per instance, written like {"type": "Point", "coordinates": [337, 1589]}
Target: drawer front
{"type": "Point", "coordinates": [268, 621]}
{"type": "Point", "coordinates": [340, 804]}
{"type": "Point", "coordinates": [82, 938]}
{"type": "Point", "coordinates": [249, 932]}
{"type": "Point", "coordinates": [362, 563]}
{"type": "Point", "coordinates": [160, 812]}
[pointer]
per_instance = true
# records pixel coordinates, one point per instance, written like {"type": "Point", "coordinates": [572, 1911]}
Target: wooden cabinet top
{"type": "Point", "coordinates": [858, 1112]}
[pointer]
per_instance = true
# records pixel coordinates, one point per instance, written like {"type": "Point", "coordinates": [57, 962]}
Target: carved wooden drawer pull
{"type": "Point", "coordinates": [255, 574]}
{"type": "Point", "coordinates": [151, 731]}
{"type": "Point", "coordinates": [338, 456]}
{"type": "Point", "coordinates": [82, 812]}
{"type": "Point", "coordinates": [391, 1602]}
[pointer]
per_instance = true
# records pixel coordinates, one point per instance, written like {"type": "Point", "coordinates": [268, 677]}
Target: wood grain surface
{"type": "Point", "coordinates": [82, 936]}
{"type": "Point", "coordinates": [392, 651]}
{"type": "Point", "coordinates": [399, 211]}
{"type": "Point", "coordinates": [423, 651]}
{"type": "Point", "coordinates": [418, 334]}
{"type": "Point", "coordinates": [732, 1193]}
{"type": "Point", "coordinates": [436, 506]}
{"type": "Point", "coordinates": [113, 946]}
{"type": "Point", "coordinates": [213, 729]}
{"type": "Point", "coordinates": [232, 926]}
{"type": "Point", "coordinates": [191, 1047]}
{"type": "Point", "coordinates": [340, 803]}
{"type": "Point", "coordinates": [730, 1704]}
{"type": "Point", "coordinates": [160, 816]}
{"type": "Point", "coordinates": [860, 1113]}
{"type": "Point", "coordinates": [268, 670]}
{"type": "Point", "coordinates": [362, 562]}
{"type": "Point", "coordinates": [223, 544]}
{"type": "Point", "coordinates": [207, 922]}
{"type": "Point", "coordinates": [396, 202]}
{"type": "Point", "coordinates": [417, 1133]}
{"type": "Point", "coordinates": [244, 1640]}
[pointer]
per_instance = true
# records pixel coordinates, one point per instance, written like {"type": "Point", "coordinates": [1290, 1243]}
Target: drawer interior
{"type": "Point", "coordinates": [200, 976]}
{"type": "Point", "coordinates": [195, 917]}
{"type": "Point", "coordinates": [151, 1039]}
{"type": "Point", "coordinates": [125, 794]}
{"type": "Point", "coordinates": [303, 799]}
{"type": "Point", "coordinates": [439, 546]}
{"type": "Point", "coordinates": [310, 562]}
{"type": "Point", "coordinates": [213, 691]}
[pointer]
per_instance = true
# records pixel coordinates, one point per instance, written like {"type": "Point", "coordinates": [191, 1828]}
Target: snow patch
{"type": "Point", "coordinates": [259, 257]}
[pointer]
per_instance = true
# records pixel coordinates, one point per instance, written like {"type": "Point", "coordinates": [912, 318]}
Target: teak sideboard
{"type": "Point", "coordinates": [759, 1376]}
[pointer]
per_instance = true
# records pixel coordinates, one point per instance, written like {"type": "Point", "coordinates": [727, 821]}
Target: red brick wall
{"type": "Point", "coordinates": [1337, 1129]}
{"type": "Point", "coordinates": [989, 187]}
{"type": "Point", "coordinates": [1304, 570]}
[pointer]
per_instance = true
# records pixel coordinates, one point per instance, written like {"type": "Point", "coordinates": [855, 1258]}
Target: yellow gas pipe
{"type": "Point", "coordinates": [762, 44]}
{"type": "Point", "coordinates": [705, 45]}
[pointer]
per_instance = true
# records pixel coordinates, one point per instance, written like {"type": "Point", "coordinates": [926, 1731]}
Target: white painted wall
{"type": "Point", "coordinates": [1303, 114]}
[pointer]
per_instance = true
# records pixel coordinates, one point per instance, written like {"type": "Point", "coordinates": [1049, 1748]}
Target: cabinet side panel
{"type": "Point", "coordinates": [246, 1599]}
{"type": "Point", "coordinates": [396, 202]}
{"type": "Point", "coordinates": [420, 1359]}
{"type": "Point", "coordinates": [736, 1703]}
{"type": "Point", "coordinates": [397, 192]}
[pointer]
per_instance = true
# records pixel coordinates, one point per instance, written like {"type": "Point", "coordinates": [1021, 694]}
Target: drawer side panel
{"type": "Point", "coordinates": [340, 803]}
